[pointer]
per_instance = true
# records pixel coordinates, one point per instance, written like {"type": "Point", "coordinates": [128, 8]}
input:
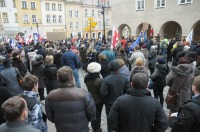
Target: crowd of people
{"type": "Point", "coordinates": [119, 78]}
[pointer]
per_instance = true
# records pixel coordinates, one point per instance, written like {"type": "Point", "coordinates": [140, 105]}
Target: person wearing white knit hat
{"type": "Point", "coordinates": [93, 82]}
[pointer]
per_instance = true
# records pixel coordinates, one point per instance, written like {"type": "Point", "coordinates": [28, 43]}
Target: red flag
{"type": "Point", "coordinates": [115, 36]}
{"type": "Point", "coordinates": [151, 31]}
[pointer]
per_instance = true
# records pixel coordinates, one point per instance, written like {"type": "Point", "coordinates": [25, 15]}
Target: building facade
{"type": "Point", "coordinates": [176, 18]}
{"type": "Point", "coordinates": [9, 24]}
{"type": "Point", "coordinates": [53, 19]}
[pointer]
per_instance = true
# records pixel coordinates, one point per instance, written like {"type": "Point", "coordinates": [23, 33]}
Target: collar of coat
{"type": "Point", "coordinates": [139, 92]}
{"type": "Point", "coordinates": [67, 85]}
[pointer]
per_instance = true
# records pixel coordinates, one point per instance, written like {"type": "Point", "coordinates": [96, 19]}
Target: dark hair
{"type": "Point", "coordinates": [6, 62]}
{"type": "Point", "coordinates": [13, 108]}
{"type": "Point", "coordinates": [139, 81]}
{"type": "Point", "coordinates": [29, 81]}
{"type": "Point", "coordinates": [64, 74]}
{"type": "Point", "coordinates": [113, 65]}
{"type": "Point", "coordinates": [196, 82]}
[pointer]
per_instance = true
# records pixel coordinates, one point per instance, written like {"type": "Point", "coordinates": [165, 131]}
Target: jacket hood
{"type": "Point", "coordinates": [124, 70]}
{"type": "Point", "coordinates": [182, 69]}
{"type": "Point", "coordinates": [50, 65]}
{"type": "Point", "coordinates": [139, 69]}
{"type": "Point", "coordinates": [162, 68]}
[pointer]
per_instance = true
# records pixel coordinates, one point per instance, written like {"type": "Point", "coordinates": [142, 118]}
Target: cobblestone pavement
{"type": "Point", "coordinates": [51, 127]}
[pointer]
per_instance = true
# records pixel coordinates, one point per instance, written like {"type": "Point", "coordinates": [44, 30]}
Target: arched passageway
{"type": "Point", "coordinates": [124, 30]}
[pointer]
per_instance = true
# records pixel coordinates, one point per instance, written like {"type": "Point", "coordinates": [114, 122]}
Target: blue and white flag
{"type": "Point", "coordinates": [189, 37]}
{"type": "Point", "coordinates": [136, 42]}
{"type": "Point", "coordinates": [12, 42]}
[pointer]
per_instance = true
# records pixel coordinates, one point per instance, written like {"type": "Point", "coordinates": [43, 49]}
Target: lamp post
{"type": "Point", "coordinates": [103, 6]}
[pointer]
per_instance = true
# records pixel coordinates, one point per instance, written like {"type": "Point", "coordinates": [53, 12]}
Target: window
{"type": "Point", "coordinates": [86, 23]}
{"type": "Point", "coordinates": [48, 18]}
{"type": "Point", "coordinates": [47, 6]}
{"type": "Point", "coordinates": [184, 1]}
{"type": "Point", "coordinates": [24, 5]}
{"type": "Point", "coordinates": [77, 24]}
{"type": "Point", "coordinates": [70, 13]}
{"type": "Point", "coordinates": [16, 18]}
{"type": "Point", "coordinates": [107, 22]}
{"type": "Point", "coordinates": [14, 4]}
{"type": "Point", "coordinates": [106, 10]}
{"type": "Point", "coordinates": [33, 5]}
{"type": "Point", "coordinates": [99, 24]}
{"type": "Point", "coordinates": [34, 19]}
{"type": "Point", "coordinates": [25, 18]}
{"type": "Point", "coordinates": [76, 13]}
{"type": "Point", "coordinates": [71, 25]}
{"type": "Point", "coordinates": [99, 13]}
{"type": "Point", "coordinates": [92, 12]}
{"type": "Point", "coordinates": [60, 18]}
{"type": "Point", "coordinates": [54, 18]}
{"type": "Point", "coordinates": [59, 7]}
{"type": "Point", "coordinates": [159, 3]}
{"type": "Point", "coordinates": [53, 6]}
{"type": "Point", "coordinates": [140, 4]}
{"type": "Point", "coordinates": [2, 3]}
{"type": "Point", "coordinates": [86, 12]}
{"type": "Point", "coordinates": [5, 17]}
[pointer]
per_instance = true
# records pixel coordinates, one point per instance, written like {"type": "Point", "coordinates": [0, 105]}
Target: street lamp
{"type": "Point", "coordinates": [103, 6]}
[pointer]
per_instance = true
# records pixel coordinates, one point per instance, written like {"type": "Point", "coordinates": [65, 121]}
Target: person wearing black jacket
{"type": "Point", "coordinates": [188, 116]}
{"type": "Point", "coordinates": [136, 111]}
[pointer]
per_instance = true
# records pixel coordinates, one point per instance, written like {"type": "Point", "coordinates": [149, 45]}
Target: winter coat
{"type": "Point", "coordinates": [110, 55]}
{"type": "Point", "coordinates": [50, 74]}
{"type": "Point", "coordinates": [38, 67]}
{"type": "Point", "coordinates": [197, 71]}
{"type": "Point", "coordinates": [93, 83]}
{"type": "Point", "coordinates": [58, 59]}
{"type": "Point", "coordinates": [4, 95]}
{"type": "Point", "coordinates": [124, 71]}
{"type": "Point", "coordinates": [91, 57]}
{"type": "Point", "coordinates": [104, 68]}
{"type": "Point", "coordinates": [139, 69]}
{"type": "Point", "coordinates": [137, 112]}
{"type": "Point", "coordinates": [113, 86]}
{"type": "Point", "coordinates": [70, 59]}
{"type": "Point", "coordinates": [70, 108]}
{"type": "Point", "coordinates": [10, 80]}
{"type": "Point", "coordinates": [159, 76]}
{"type": "Point", "coordinates": [188, 117]}
{"type": "Point", "coordinates": [20, 66]}
{"type": "Point", "coordinates": [82, 54]}
{"type": "Point", "coordinates": [176, 51]}
{"type": "Point", "coordinates": [122, 56]}
{"type": "Point", "coordinates": [134, 56]}
{"type": "Point", "coordinates": [152, 59]}
{"type": "Point", "coordinates": [17, 126]}
{"type": "Point", "coordinates": [181, 75]}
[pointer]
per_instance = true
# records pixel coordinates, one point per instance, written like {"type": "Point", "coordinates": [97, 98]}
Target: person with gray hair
{"type": "Point", "coordinates": [137, 111]}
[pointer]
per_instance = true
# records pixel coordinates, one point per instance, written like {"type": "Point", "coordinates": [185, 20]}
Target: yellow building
{"type": "Point", "coordinates": [29, 16]}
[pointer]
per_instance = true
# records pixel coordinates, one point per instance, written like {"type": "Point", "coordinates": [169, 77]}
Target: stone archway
{"type": "Point", "coordinates": [172, 29]}
{"type": "Point", "coordinates": [124, 30]}
{"type": "Point", "coordinates": [196, 31]}
{"type": "Point", "coordinates": [99, 35]}
{"type": "Point", "coordinates": [145, 26]}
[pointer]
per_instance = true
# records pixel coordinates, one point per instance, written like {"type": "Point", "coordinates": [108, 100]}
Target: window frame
{"type": "Point", "coordinates": [47, 5]}
{"type": "Point", "coordinates": [60, 18]}
{"type": "Point", "coordinates": [86, 12]}
{"type": "Point", "coordinates": [137, 5]}
{"type": "Point", "coordinates": [70, 13]}
{"type": "Point", "coordinates": [26, 18]}
{"type": "Point", "coordinates": [34, 5]}
{"type": "Point", "coordinates": [2, 3]}
{"type": "Point", "coordinates": [71, 25]}
{"type": "Point", "coordinates": [186, 2]}
{"type": "Point", "coordinates": [14, 3]}
{"type": "Point", "coordinates": [86, 24]}
{"type": "Point", "coordinates": [59, 7]}
{"type": "Point", "coordinates": [53, 6]}
{"type": "Point", "coordinates": [99, 13]}
{"type": "Point", "coordinates": [54, 18]}
{"type": "Point", "coordinates": [76, 13]}
{"type": "Point", "coordinates": [26, 7]}
{"type": "Point", "coordinates": [48, 18]}
{"type": "Point", "coordinates": [16, 18]}
{"type": "Point", "coordinates": [34, 20]}
{"type": "Point", "coordinates": [77, 25]}
{"type": "Point", "coordinates": [5, 17]}
{"type": "Point", "coordinates": [93, 12]}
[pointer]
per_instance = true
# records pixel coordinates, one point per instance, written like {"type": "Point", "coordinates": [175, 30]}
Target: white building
{"type": "Point", "coordinates": [8, 18]}
{"type": "Point", "coordinates": [53, 18]}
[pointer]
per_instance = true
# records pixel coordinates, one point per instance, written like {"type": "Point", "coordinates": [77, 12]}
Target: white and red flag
{"type": "Point", "coordinates": [115, 36]}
